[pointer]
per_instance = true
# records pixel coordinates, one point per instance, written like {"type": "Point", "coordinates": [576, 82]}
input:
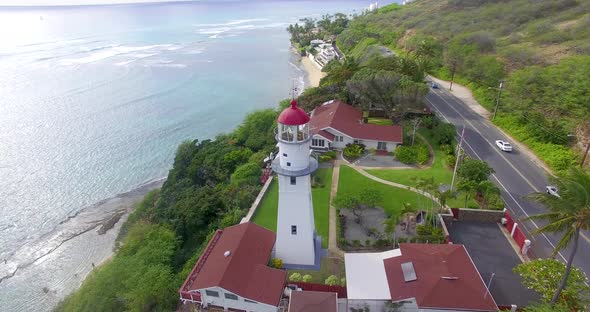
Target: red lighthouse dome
{"type": "Point", "coordinates": [293, 116]}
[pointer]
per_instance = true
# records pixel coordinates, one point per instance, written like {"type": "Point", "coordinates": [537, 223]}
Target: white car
{"type": "Point", "coordinates": [552, 190]}
{"type": "Point", "coordinates": [504, 146]}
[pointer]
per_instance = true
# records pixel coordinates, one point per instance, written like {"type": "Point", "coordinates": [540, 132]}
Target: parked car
{"type": "Point", "coordinates": [504, 146]}
{"type": "Point", "coordinates": [434, 85]}
{"type": "Point", "coordinates": [552, 190]}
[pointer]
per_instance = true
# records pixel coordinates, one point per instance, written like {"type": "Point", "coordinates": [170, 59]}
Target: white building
{"type": "Point", "coordinates": [417, 277]}
{"type": "Point", "coordinates": [325, 53]}
{"type": "Point", "coordinates": [296, 236]}
{"type": "Point", "coordinates": [232, 272]}
{"type": "Point", "coordinates": [335, 124]}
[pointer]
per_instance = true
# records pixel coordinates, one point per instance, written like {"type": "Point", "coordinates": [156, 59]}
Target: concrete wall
{"type": "Point", "coordinates": [480, 215]}
{"type": "Point", "coordinates": [240, 304]}
{"type": "Point", "coordinates": [297, 155]}
{"type": "Point", "coordinates": [295, 209]}
{"type": "Point", "coordinates": [257, 201]}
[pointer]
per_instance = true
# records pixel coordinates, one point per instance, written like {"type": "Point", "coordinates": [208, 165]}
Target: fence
{"type": "Point", "coordinates": [514, 230]}
{"type": "Point", "coordinates": [340, 290]}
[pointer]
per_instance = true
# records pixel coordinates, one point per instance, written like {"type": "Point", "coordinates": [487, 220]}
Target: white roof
{"type": "Point", "coordinates": [365, 275]}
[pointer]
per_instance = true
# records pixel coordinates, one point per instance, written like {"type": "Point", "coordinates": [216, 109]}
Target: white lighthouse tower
{"type": "Point", "coordinates": [296, 236]}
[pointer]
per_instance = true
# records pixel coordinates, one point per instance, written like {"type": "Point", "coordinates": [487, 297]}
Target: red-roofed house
{"type": "Point", "coordinates": [335, 124]}
{"type": "Point", "coordinates": [418, 276]}
{"type": "Point", "coordinates": [232, 272]}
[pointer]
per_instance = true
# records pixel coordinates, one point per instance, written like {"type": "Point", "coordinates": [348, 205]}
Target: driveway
{"type": "Point", "coordinates": [383, 161]}
{"type": "Point", "coordinates": [492, 253]}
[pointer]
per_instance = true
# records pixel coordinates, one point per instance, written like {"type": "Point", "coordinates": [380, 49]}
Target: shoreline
{"type": "Point", "coordinates": [82, 242]}
{"type": "Point", "coordinates": [312, 71]}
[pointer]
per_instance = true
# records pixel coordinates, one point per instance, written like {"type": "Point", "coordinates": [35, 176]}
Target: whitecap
{"type": "Point", "coordinates": [232, 22]}
{"type": "Point", "coordinates": [117, 50]}
{"type": "Point", "coordinates": [209, 31]}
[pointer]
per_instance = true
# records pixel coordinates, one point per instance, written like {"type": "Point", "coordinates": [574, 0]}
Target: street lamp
{"type": "Point", "coordinates": [498, 97]}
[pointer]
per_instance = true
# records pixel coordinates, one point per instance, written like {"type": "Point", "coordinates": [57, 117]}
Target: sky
{"type": "Point", "coordinates": [71, 2]}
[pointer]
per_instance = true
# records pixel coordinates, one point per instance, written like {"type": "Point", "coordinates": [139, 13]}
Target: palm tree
{"type": "Point", "coordinates": [390, 226]}
{"type": "Point", "coordinates": [568, 215]}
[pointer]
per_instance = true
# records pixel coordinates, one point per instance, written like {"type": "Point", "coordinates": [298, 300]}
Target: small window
{"type": "Point", "coordinates": [231, 296]}
{"type": "Point", "coordinates": [293, 229]}
{"type": "Point", "coordinates": [284, 154]}
{"type": "Point", "coordinates": [293, 180]}
{"type": "Point", "coordinates": [212, 293]}
{"type": "Point", "coordinates": [288, 164]}
{"type": "Point", "coordinates": [250, 301]}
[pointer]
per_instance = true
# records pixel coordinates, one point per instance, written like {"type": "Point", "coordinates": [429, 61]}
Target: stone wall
{"type": "Point", "coordinates": [476, 215]}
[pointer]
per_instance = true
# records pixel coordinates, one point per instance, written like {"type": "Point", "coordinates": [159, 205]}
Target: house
{"type": "Point", "coordinates": [325, 52]}
{"type": "Point", "coordinates": [424, 277]}
{"type": "Point", "coordinates": [335, 124]}
{"type": "Point", "coordinates": [232, 273]}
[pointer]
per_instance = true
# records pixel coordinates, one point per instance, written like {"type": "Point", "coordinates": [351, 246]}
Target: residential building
{"type": "Point", "coordinates": [335, 124]}
{"type": "Point", "coordinates": [417, 277]}
{"type": "Point", "coordinates": [232, 273]}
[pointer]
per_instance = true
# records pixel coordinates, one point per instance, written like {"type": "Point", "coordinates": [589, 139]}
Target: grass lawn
{"type": "Point", "coordinates": [380, 121]}
{"type": "Point", "coordinates": [266, 214]}
{"type": "Point", "coordinates": [439, 170]}
{"type": "Point", "coordinates": [351, 181]}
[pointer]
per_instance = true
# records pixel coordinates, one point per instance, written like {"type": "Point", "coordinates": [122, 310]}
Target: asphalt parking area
{"type": "Point", "coordinates": [492, 254]}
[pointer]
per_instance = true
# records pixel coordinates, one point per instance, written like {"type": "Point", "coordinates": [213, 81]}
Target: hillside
{"type": "Point", "coordinates": [540, 49]}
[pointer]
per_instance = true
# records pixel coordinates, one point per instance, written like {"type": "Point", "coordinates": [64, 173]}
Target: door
{"type": "Point", "coordinates": [382, 146]}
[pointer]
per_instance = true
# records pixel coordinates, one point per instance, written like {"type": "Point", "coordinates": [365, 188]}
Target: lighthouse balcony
{"type": "Point", "coordinates": [313, 166]}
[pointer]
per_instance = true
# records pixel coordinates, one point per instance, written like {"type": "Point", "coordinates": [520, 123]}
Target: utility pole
{"type": "Point", "coordinates": [416, 124]}
{"type": "Point", "coordinates": [457, 158]}
{"type": "Point", "coordinates": [585, 154]}
{"type": "Point", "coordinates": [498, 98]}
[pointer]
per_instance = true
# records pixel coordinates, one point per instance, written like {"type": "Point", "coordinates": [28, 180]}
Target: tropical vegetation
{"type": "Point", "coordinates": [569, 214]}
{"type": "Point", "coordinates": [211, 185]}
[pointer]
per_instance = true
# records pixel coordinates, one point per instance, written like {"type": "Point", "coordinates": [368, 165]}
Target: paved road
{"type": "Point", "coordinates": [515, 174]}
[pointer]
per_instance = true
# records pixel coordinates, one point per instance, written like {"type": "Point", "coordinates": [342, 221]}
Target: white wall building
{"type": "Point", "coordinates": [335, 124]}
{"type": "Point", "coordinates": [296, 235]}
{"type": "Point", "coordinates": [232, 272]}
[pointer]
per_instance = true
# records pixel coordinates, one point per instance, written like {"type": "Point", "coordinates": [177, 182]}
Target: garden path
{"type": "Point", "coordinates": [333, 250]}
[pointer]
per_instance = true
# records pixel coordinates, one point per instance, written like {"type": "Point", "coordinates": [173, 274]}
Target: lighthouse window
{"type": "Point", "coordinates": [288, 164]}
{"type": "Point", "coordinates": [293, 180]}
{"type": "Point", "coordinates": [284, 154]}
{"type": "Point", "coordinates": [293, 229]}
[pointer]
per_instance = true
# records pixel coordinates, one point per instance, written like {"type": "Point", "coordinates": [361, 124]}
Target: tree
{"type": "Point", "coordinates": [340, 72]}
{"type": "Point", "coordinates": [467, 187]}
{"type": "Point", "coordinates": [486, 191]}
{"type": "Point", "coordinates": [474, 170]}
{"type": "Point", "coordinates": [392, 92]}
{"type": "Point", "coordinates": [247, 174]}
{"type": "Point", "coordinates": [390, 225]}
{"type": "Point", "coordinates": [352, 202]}
{"type": "Point", "coordinates": [546, 307]}
{"type": "Point", "coordinates": [568, 215]}
{"type": "Point", "coordinates": [544, 276]}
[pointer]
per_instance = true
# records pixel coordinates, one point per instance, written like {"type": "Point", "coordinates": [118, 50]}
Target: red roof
{"type": "Point", "coordinates": [293, 115]}
{"type": "Point", "coordinates": [313, 301]}
{"type": "Point", "coordinates": [244, 271]}
{"type": "Point", "coordinates": [349, 120]}
{"type": "Point", "coordinates": [446, 278]}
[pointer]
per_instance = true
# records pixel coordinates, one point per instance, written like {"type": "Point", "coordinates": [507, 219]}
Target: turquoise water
{"type": "Point", "coordinates": [94, 101]}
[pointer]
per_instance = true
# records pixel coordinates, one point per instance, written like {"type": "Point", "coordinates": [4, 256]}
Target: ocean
{"type": "Point", "coordinates": [94, 101]}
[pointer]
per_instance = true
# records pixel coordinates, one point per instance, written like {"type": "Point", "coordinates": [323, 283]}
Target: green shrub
{"type": "Point", "coordinates": [353, 151]}
{"type": "Point", "coordinates": [307, 278]}
{"type": "Point", "coordinates": [295, 277]}
{"type": "Point", "coordinates": [417, 154]}
{"type": "Point", "coordinates": [451, 160]}
{"type": "Point", "coordinates": [331, 154]}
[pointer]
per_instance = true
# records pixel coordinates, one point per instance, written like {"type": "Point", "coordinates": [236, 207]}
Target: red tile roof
{"type": "Point", "coordinates": [446, 278]}
{"type": "Point", "coordinates": [313, 301]}
{"type": "Point", "coordinates": [349, 120]}
{"type": "Point", "coordinates": [326, 134]}
{"type": "Point", "coordinates": [244, 272]}
{"type": "Point", "coordinates": [293, 115]}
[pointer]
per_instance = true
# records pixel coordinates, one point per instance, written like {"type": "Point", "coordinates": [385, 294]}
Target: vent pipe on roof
{"type": "Point", "coordinates": [227, 253]}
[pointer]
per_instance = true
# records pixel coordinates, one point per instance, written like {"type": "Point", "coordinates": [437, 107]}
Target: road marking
{"type": "Point", "coordinates": [495, 148]}
{"type": "Point", "coordinates": [584, 236]}
{"type": "Point", "coordinates": [517, 203]}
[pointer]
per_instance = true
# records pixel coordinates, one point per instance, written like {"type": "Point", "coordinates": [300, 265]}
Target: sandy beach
{"type": "Point", "coordinates": [314, 74]}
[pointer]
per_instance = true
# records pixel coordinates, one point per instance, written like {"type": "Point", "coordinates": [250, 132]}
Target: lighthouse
{"type": "Point", "coordinates": [294, 164]}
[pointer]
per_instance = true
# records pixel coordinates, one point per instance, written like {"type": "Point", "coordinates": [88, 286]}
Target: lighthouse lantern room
{"type": "Point", "coordinates": [296, 236]}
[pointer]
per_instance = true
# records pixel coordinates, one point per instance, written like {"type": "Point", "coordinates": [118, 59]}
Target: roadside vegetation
{"type": "Point", "coordinates": [211, 185]}
{"type": "Point", "coordinates": [540, 50]}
